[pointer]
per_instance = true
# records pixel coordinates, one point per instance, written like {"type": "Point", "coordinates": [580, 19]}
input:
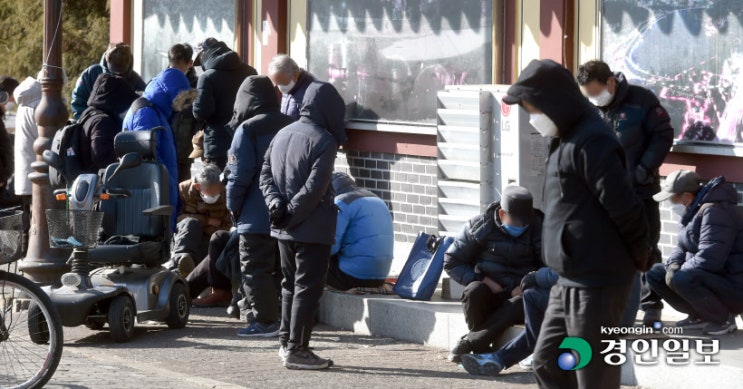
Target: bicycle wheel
{"type": "Point", "coordinates": [27, 360]}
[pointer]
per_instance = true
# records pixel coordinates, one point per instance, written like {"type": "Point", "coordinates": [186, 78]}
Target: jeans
{"type": "Point", "coordinates": [520, 347]}
{"type": "Point", "coordinates": [579, 312]}
{"type": "Point", "coordinates": [488, 315]}
{"type": "Point", "coordinates": [305, 266]}
{"type": "Point", "coordinates": [698, 293]}
{"type": "Point", "coordinates": [258, 257]}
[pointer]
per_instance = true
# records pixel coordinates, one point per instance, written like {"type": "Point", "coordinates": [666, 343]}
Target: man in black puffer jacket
{"type": "Point", "coordinates": [490, 256]}
{"type": "Point", "coordinates": [595, 231]}
{"type": "Point", "coordinates": [224, 71]}
{"type": "Point", "coordinates": [644, 130]}
{"type": "Point", "coordinates": [296, 185]}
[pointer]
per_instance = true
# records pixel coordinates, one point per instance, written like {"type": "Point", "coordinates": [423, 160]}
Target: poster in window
{"type": "Point", "coordinates": [690, 53]}
{"type": "Point", "coordinates": [388, 58]}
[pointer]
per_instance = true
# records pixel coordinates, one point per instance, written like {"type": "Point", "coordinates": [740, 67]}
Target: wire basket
{"type": "Point", "coordinates": [11, 230]}
{"type": "Point", "coordinates": [73, 229]}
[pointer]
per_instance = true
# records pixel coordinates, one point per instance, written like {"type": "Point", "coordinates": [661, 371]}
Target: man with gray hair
{"type": "Point", "coordinates": [292, 81]}
{"type": "Point", "coordinates": [203, 212]}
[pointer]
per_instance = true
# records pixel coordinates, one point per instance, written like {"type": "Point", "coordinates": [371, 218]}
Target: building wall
{"type": "Point", "coordinates": [406, 183]}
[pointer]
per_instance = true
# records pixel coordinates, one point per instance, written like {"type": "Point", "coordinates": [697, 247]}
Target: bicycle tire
{"type": "Point", "coordinates": [15, 343]}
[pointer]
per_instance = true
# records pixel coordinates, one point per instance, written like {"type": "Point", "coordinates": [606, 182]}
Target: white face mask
{"type": "Point", "coordinates": [285, 89]}
{"type": "Point", "coordinates": [602, 99]}
{"type": "Point", "coordinates": [209, 199]}
{"type": "Point", "coordinates": [543, 124]}
{"type": "Point", "coordinates": [678, 209]}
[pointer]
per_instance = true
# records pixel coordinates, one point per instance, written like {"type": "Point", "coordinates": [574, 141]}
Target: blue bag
{"type": "Point", "coordinates": [422, 270]}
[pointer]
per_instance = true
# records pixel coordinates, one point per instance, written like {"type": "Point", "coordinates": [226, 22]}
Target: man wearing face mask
{"type": "Point", "coordinates": [490, 256]}
{"type": "Point", "coordinates": [703, 276]}
{"type": "Point", "coordinates": [596, 233]}
{"type": "Point", "coordinates": [203, 213]}
{"type": "Point", "coordinates": [644, 130]}
{"type": "Point", "coordinates": [291, 81]}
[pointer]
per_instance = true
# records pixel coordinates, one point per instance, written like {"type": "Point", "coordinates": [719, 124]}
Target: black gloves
{"type": "Point", "coordinates": [529, 281]}
{"type": "Point", "coordinates": [671, 271]}
{"type": "Point", "coordinates": [278, 214]}
{"type": "Point", "coordinates": [643, 176]}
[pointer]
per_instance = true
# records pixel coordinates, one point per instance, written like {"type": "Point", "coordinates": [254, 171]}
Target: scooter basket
{"type": "Point", "coordinates": [11, 229]}
{"type": "Point", "coordinates": [73, 229]}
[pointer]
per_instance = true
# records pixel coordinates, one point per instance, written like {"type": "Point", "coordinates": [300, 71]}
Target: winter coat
{"type": "Point", "coordinates": [84, 85]}
{"type": "Point", "coordinates": [27, 95]}
{"type": "Point", "coordinates": [595, 226]}
{"type": "Point", "coordinates": [299, 164]}
{"type": "Point", "coordinates": [364, 238]}
{"type": "Point", "coordinates": [161, 92]}
{"type": "Point", "coordinates": [257, 120]}
{"type": "Point", "coordinates": [6, 152]}
{"type": "Point", "coordinates": [193, 206]}
{"type": "Point", "coordinates": [224, 71]}
{"type": "Point", "coordinates": [111, 97]}
{"type": "Point", "coordinates": [710, 235]}
{"type": "Point", "coordinates": [644, 131]}
{"type": "Point", "coordinates": [483, 248]}
{"type": "Point", "coordinates": [291, 102]}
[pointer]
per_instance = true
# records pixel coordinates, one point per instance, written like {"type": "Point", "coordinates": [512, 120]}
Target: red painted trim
{"type": "Point", "coordinates": [510, 47]}
{"type": "Point", "coordinates": [120, 29]}
{"type": "Point", "coordinates": [391, 142]}
{"type": "Point", "coordinates": [275, 12]}
{"type": "Point", "coordinates": [707, 166]}
{"type": "Point", "coordinates": [244, 29]}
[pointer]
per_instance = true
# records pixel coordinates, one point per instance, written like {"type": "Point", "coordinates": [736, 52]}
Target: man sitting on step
{"type": "Point", "coordinates": [490, 256]}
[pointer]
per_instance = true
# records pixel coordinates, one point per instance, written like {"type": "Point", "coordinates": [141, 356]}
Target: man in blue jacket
{"type": "Point", "coordinates": [292, 82]}
{"type": "Point", "coordinates": [703, 276]}
{"type": "Point", "coordinates": [596, 233]}
{"type": "Point", "coordinates": [154, 109]}
{"type": "Point", "coordinates": [364, 237]}
{"type": "Point", "coordinates": [295, 181]}
{"type": "Point", "coordinates": [256, 120]}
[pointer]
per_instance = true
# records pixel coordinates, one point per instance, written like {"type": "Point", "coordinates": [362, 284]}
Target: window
{"type": "Point", "coordinates": [388, 58]}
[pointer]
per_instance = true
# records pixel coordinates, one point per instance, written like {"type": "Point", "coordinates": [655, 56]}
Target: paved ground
{"type": "Point", "coordinates": [207, 354]}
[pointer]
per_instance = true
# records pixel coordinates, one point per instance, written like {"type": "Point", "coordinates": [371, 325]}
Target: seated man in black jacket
{"type": "Point", "coordinates": [491, 255]}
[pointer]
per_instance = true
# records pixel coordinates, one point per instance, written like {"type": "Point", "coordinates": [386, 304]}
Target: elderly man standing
{"type": "Point", "coordinates": [291, 81]}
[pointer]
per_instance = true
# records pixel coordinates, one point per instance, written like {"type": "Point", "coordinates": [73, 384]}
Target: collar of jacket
{"type": "Point", "coordinates": [621, 93]}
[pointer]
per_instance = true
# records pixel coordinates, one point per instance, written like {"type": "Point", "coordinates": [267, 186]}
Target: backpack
{"type": "Point", "coordinates": [66, 145]}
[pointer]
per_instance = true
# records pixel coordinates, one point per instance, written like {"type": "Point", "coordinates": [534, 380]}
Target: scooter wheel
{"type": "Point", "coordinates": [180, 307]}
{"type": "Point", "coordinates": [121, 317]}
{"type": "Point", "coordinates": [38, 329]}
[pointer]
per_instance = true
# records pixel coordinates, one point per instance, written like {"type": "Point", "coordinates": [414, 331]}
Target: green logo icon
{"type": "Point", "coordinates": [567, 360]}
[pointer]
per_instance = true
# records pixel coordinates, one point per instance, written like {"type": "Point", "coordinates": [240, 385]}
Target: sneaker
{"type": "Point", "coordinates": [482, 364]}
{"type": "Point", "coordinates": [691, 323]}
{"type": "Point", "coordinates": [721, 329]}
{"type": "Point", "coordinates": [283, 353]}
{"type": "Point", "coordinates": [259, 330]}
{"type": "Point", "coordinates": [233, 311]}
{"type": "Point", "coordinates": [526, 363]}
{"type": "Point", "coordinates": [651, 317]}
{"type": "Point", "coordinates": [463, 347]}
{"type": "Point", "coordinates": [216, 298]}
{"type": "Point", "coordinates": [186, 265]}
{"type": "Point", "coordinates": [304, 359]}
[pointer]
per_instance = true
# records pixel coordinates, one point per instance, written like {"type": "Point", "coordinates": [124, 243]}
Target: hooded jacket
{"type": "Point", "coordinates": [256, 121]}
{"type": "Point", "coordinates": [595, 226]}
{"type": "Point", "coordinates": [710, 235]}
{"type": "Point", "coordinates": [27, 95]}
{"type": "Point", "coordinates": [161, 92]}
{"type": "Point", "coordinates": [217, 86]}
{"type": "Point", "coordinates": [299, 164]}
{"type": "Point", "coordinates": [644, 131]}
{"type": "Point", "coordinates": [291, 102]}
{"type": "Point", "coordinates": [111, 97]}
{"type": "Point", "coordinates": [364, 237]}
{"type": "Point", "coordinates": [483, 248]}
{"type": "Point", "coordinates": [84, 85]}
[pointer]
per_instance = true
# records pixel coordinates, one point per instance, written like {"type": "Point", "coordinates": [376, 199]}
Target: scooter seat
{"type": "Point", "coordinates": [148, 254]}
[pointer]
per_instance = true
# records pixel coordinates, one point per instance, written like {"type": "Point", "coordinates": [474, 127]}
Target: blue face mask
{"type": "Point", "coordinates": [514, 231]}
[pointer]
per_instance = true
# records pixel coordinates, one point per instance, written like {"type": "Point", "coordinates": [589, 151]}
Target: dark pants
{"type": "Point", "coordinates": [579, 312]}
{"type": "Point", "coordinates": [26, 208]}
{"type": "Point", "coordinates": [189, 239]}
{"type": "Point", "coordinates": [520, 347]}
{"type": "Point", "coordinates": [339, 280]}
{"type": "Point", "coordinates": [698, 293]}
{"type": "Point", "coordinates": [649, 300]}
{"type": "Point", "coordinates": [305, 266]}
{"type": "Point", "coordinates": [488, 315]}
{"type": "Point", "coordinates": [258, 257]}
{"type": "Point", "coordinates": [206, 273]}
